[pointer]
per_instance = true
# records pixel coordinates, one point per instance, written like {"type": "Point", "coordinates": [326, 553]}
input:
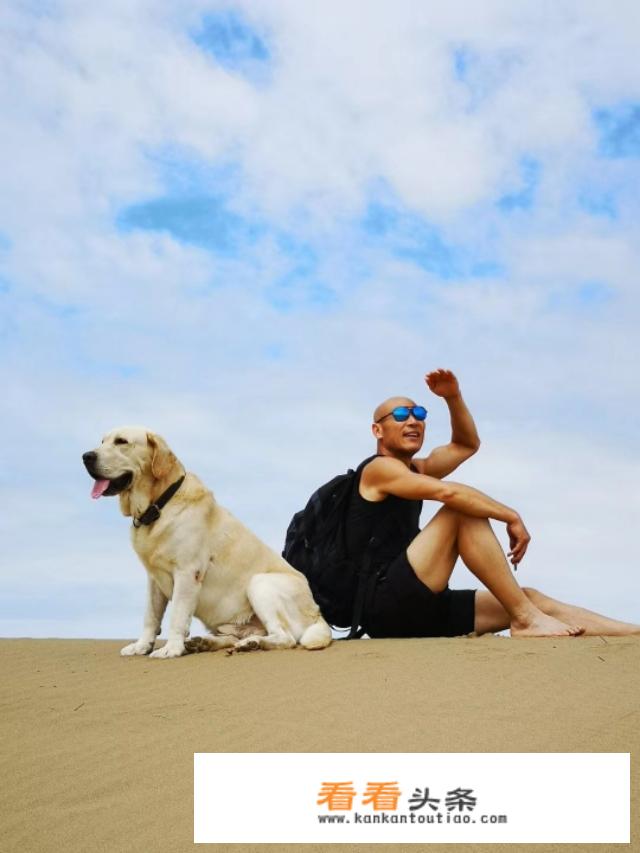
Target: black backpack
{"type": "Point", "coordinates": [316, 546]}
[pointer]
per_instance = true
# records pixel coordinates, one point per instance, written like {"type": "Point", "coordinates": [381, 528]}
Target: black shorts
{"type": "Point", "coordinates": [400, 605]}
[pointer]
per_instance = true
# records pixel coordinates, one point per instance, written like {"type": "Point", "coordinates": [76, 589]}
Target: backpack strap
{"type": "Point", "coordinates": [363, 583]}
{"type": "Point", "coordinates": [364, 571]}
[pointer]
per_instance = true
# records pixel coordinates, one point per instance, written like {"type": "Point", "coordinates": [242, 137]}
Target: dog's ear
{"type": "Point", "coordinates": [125, 502]}
{"type": "Point", "coordinates": [162, 460]}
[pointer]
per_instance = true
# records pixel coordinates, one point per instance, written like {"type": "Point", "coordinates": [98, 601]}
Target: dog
{"type": "Point", "coordinates": [200, 557]}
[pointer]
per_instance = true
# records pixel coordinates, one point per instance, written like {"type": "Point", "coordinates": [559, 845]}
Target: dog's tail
{"type": "Point", "coordinates": [317, 635]}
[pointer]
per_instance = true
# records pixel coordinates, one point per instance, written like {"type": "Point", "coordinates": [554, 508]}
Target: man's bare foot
{"type": "Point", "coordinates": [541, 625]}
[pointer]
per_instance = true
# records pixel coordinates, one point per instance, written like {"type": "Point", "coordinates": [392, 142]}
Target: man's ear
{"type": "Point", "coordinates": [162, 460]}
{"type": "Point", "coordinates": [376, 429]}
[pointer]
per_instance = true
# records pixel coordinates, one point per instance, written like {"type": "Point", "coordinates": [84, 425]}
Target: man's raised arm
{"type": "Point", "coordinates": [464, 435]}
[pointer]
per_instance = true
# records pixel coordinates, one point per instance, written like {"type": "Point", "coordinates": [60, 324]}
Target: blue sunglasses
{"type": "Point", "coordinates": [402, 413]}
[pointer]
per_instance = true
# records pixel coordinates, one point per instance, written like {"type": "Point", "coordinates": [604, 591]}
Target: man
{"type": "Point", "coordinates": [410, 595]}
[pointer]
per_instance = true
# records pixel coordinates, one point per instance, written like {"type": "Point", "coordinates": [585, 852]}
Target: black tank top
{"type": "Point", "coordinates": [393, 521]}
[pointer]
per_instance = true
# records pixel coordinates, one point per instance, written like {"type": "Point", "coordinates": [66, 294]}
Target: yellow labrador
{"type": "Point", "coordinates": [200, 557]}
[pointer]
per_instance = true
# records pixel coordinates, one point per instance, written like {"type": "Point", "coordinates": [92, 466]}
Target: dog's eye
{"type": "Point", "coordinates": [120, 441]}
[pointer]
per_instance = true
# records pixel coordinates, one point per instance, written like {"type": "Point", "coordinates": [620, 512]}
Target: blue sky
{"type": "Point", "coordinates": [243, 225]}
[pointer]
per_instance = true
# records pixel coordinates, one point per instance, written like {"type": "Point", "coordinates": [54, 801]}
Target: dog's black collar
{"type": "Point", "coordinates": [152, 512]}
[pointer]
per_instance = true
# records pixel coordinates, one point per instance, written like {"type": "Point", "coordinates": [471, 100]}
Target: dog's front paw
{"type": "Point", "coordinates": [249, 644]}
{"type": "Point", "coordinates": [169, 650]}
{"type": "Point", "coordinates": [140, 647]}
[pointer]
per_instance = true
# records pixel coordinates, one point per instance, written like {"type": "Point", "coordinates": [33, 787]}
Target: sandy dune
{"type": "Point", "coordinates": [98, 750]}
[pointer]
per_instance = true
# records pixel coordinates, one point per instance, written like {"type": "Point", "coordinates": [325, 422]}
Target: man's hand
{"type": "Point", "coordinates": [464, 435]}
{"type": "Point", "coordinates": [519, 539]}
{"type": "Point", "coordinates": [442, 383]}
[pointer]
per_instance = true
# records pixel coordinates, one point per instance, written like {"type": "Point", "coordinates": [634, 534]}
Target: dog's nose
{"type": "Point", "coordinates": [89, 457]}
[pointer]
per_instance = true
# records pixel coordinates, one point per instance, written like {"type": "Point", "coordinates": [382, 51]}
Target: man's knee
{"type": "Point", "coordinates": [471, 520]}
{"type": "Point", "coordinates": [458, 518]}
{"type": "Point", "coordinates": [447, 512]}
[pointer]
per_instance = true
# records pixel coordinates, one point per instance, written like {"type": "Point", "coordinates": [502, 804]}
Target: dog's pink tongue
{"type": "Point", "coordinates": [99, 488]}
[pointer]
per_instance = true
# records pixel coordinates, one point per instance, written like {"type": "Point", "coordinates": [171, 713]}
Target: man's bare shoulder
{"type": "Point", "coordinates": [382, 465]}
{"type": "Point", "coordinates": [383, 468]}
{"type": "Point", "coordinates": [379, 472]}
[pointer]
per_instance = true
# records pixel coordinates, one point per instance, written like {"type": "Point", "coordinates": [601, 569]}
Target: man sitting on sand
{"type": "Point", "coordinates": [410, 596]}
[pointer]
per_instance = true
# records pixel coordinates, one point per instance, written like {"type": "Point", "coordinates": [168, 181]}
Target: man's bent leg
{"type": "Point", "coordinates": [432, 554]}
{"type": "Point", "coordinates": [434, 551]}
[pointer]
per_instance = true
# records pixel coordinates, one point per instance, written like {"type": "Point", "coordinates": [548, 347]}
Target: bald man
{"type": "Point", "coordinates": [409, 594]}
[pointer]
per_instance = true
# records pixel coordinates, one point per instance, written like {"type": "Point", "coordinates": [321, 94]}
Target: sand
{"type": "Point", "coordinates": [97, 750]}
